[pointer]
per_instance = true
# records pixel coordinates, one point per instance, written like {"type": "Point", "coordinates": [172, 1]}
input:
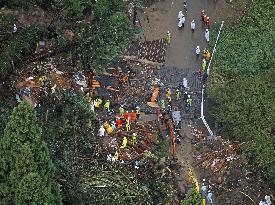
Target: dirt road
{"type": "Point", "coordinates": [162, 16]}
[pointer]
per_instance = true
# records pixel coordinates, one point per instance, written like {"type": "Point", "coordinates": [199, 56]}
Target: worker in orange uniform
{"type": "Point", "coordinates": [202, 14]}
{"type": "Point", "coordinates": [208, 23]}
{"type": "Point", "coordinates": [118, 123]}
{"type": "Point", "coordinates": [205, 20]}
{"type": "Point", "coordinates": [133, 116]}
{"type": "Point", "coordinates": [126, 115]}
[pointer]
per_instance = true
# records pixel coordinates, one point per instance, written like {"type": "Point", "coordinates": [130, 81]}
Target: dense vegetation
{"type": "Point", "coordinates": [94, 44]}
{"type": "Point", "coordinates": [26, 172]}
{"type": "Point", "coordinates": [242, 85]}
{"type": "Point", "coordinates": [192, 198]}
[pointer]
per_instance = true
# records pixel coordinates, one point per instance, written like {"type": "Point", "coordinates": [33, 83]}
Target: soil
{"type": "Point", "coordinates": [231, 186]}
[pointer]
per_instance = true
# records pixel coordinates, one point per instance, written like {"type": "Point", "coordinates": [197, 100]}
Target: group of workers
{"type": "Point", "coordinates": [168, 95]}
{"type": "Point", "coordinates": [124, 119]}
{"type": "Point", "coordinates": [267, 201]}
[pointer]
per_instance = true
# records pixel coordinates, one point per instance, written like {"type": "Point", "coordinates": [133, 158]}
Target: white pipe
{"type": "Point", "coordinates": [202, 92]}
{"type": "Point", "coordinates": [214, 49]}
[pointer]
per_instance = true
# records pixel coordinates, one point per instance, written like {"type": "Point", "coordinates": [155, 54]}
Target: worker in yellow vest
{"type": "Point", "coordinates": [107, 105]}
{"type": "Point", "coordinates": [124, 142]}
{"type": "Point", "coordinates": [98, 102]}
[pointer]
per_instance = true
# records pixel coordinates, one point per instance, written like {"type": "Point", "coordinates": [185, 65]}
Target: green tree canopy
{"type": "Point", "coordinates": [192, 198]}
{"type": "Point", "coordinates": [26, 172]}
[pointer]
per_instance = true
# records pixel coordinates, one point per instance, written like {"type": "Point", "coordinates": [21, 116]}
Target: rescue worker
{"type": "Point", "coordinates": [203, 190]}
{"type": "Point", "coordinates": [198, 50]}
{"type": "Point", "coordinates": [204, 53]}
{"type": "Point", "coordinates": [89, 96]}
{"type": "Point", "coordinates": [210, 197]}
{"type": "Point", "coordinates": [124, 142]}
{"type": "Point", "coordinates": [169, 99]}
{"type": "Point", "coordinates": [119, 123]}
{"type": "Point", "coordinates": [14, 29]}
{"type": "Point", "coordinates": [207, 35]}
{"type": "Point", "coordinates": [205, 20]}
{"type": "Point", "coordinates": [42, 80]}
{"type": "Point", "coordinates": [128, 125]}
{"type": "Point", "coordinates": [263, 203]}
{"type": "Point", "coordinates": [116, 156]}
{"type": "Point", "coordinates": [198, 73]}
{"type": "Point", "coordinates": [185, 5]}
{"type": "Point", "coordinates": [121, 110]}
{"type": "Point", "coordinates": [92, 105]}
{"type": "Point", "coordinates": [98, 102]}
{"type": "Point", "coordinates": [178, 94]}
{"type": "Point", "coordinates": [113, 125]}
{"type": "Point", "coordinates": [107, 105]}
{"type": "Point", "coordinates": [268, 200]}
{"type": "Point", "coordinates": [193, 25]}
{"type": "Point", "coordinates": [208, 22]}
{"type": "Point", "coordinates": [185, 83]}
{"type": "Point", "coordinates": [207, 55]}
{"type": "Point", "coordinates": [126, 115]}
{"type": "Point", "coordinates": [181, 22]}
{"type": "Point", "coordinates": [137, 112]}
{"type": "Point", "coordinates": [203, 65]}
{"type": "Point", "coordinates": [202, 15]}
{"type": "Point", "coordinates": [162, 104]}
{"type": "Point", "coordinates": [168, 93]}
{"type": "Point", "coordinates": [134, 138]}
{"type": "Point", "coordinates": [180, 15]}
{"type": "Point", "coordinates": [101, 131]}
{"type": "Point", "coordinates": [168, 37]}
{"type": "Point", "coordinates": [108, 127]}
{"type": "Point", "coordinates": [185, 96]}
{"type": "Point", "coordinates": [189, 101]}
{"type": "Point", "coordinates": [133, 116]}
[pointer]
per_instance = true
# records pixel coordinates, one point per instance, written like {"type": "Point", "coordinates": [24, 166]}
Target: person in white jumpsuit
{"type": "Point", "coordinates": [207, 35]}
{"type": "Point", "coordinates": [180, 15]}
{"type": "Point", "coordinates": [181, 22]}
{"type": "Point", "coordinates": [193, 25]}
{"type": "Point", "coordinates": [101, 131]}
{"type": "Point", "coordinates": [198, 51]}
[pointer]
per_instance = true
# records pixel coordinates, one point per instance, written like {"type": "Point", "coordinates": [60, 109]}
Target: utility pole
{"type": "Point", "coordinates": [211, 134]}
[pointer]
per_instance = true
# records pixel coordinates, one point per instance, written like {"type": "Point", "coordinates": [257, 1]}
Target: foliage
{"type": "Point", "coordinates": [105, 40]}
{"type": "Point", "coordinates": [160, 192]}
{"type": "Point", "coordinates": [17, 47]}
{"type": "Point", "coordinates": [246, 109]}
{"type": "Point", "coordinates": [248, 46]}
{"type": "Point", "coordinates": [70, 130]}
{"type": "Point", "coordinates": [26, 172]}
{"type": "Point", "coordinates": [162, 148]}
{"type": "Point", "coordinates": [192, 198]}
{"type": "Point", "coordinates": [71, 9]}
{"type": "Point", "coordinates": [105, 8]}
{"type": "Point", "coordinates": [5, 112]}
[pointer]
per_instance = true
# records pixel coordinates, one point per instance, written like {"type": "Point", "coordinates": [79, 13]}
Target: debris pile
{"type": "Point", "coordinates": [219, 159]}
{"type": "Point", "coordinates": [153, 51]}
